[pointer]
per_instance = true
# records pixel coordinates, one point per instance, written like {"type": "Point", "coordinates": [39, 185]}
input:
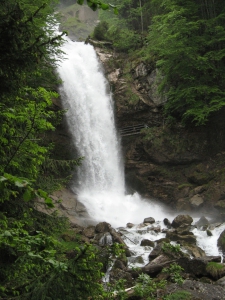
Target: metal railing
{"type": "Point", "coordinates": [133, 129]}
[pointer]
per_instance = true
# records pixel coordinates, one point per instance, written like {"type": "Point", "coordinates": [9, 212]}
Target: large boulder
{"type": "Point", "coordinates": [195, 290]}
{"type": "Point", "coordinates": [89, 231]}
{"type": "Point", "coordinates": [215, 270]}
{"type": "Point", "coordinates": [146, 242]}
{"type": "Point", "coordinates": [197, 266]}
{"type": "Point", "coordinates": [182, 219]}
{"type": "Point", "coordinates": [196, 201]}
{"type": "Point", "coordinates": [221, 281]}
{"type": "Point", "coordinates": [149, 220]}
{"type": "Point", "coordinates": [157, 250]}
{"type": "Point", "coordinates": [194, 251]}
{"type": "Point", "coordinates": [117, 273]}
{"type": "Point", "coordinates": [155, 266]}
{"type": "Point", "coordinates": [202, 222]}
{"type": "Point", "coordinates": [188, 238]}
{"type": "Point", "coordinates": [102, 227]}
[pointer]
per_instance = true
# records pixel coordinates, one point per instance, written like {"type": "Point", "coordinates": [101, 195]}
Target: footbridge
{"type": "Point", "coordinates": [132, 130]}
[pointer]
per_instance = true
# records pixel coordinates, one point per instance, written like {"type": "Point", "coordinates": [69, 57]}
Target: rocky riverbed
{"type": "Point", "coordinates": [152, 246]}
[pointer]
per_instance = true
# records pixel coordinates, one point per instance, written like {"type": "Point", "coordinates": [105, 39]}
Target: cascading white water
{"type": "Point", "coordinates": [100, 185]}
{"type": "Point", "coordinates": [91, 120]}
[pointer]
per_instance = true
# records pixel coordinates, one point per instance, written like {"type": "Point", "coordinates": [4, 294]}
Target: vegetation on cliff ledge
{"type": "Point", "coordinates": [185, 41]}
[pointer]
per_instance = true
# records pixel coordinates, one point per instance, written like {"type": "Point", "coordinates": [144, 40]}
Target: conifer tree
{"type": "Point", "coordinates": [188, 39]}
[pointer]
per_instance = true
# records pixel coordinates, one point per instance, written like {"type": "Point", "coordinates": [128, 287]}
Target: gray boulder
{"type": "Point", "coordinates": [149, 220]}
{"type": "Point", "coordinates": [180, 220]}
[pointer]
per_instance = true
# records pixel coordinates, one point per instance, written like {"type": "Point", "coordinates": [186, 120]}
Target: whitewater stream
{"type": "Point", "coordinates": [100, 182]}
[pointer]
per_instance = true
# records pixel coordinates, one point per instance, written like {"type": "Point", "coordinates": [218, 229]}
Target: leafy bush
{"type": "Point", "coordinates": [147, 288]}
{"type": "Point", "coordinates": [167, 247]}
{"type": "Point", "coordinates": [174, 272]}
{"type": "Point", "coordinates": [124, 39]}
{"type": "Point", "coordinates": [100, 31]}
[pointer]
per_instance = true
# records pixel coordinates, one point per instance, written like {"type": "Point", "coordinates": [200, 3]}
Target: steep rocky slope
{"type": "Point", "coordinates": [183, 167]}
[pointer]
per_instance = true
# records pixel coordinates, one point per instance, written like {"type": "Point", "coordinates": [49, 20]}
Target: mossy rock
{"type": "Point", "coordinates": [215, 270]}
{"type": "Point", "coordinates": [221, 241]}
{"type": "Point", "coordinates": [179, 295]}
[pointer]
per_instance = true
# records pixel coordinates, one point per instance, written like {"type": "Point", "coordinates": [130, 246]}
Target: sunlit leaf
{"type": "Point", "coordinates": [2, 178]}
{"type": "Point", "coordinates": [104, 6]}
{"type": "Point", "coordinates": [115, 10]}
{"type": "Point", "coordinates": [19, 183]}
{"type": "Point", "coordinates": [7, 233]}
{"type": "Point", "coordinates": [49, 203]}
{"type": "Point", "coordinates": [42, 193]}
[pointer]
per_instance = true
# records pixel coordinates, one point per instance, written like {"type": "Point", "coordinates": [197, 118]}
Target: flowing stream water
{"type": "Point", "coordinates": [100, 180]}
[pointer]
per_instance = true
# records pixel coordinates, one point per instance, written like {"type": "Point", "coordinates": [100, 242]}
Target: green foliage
{"type": "Point", "coordinates": [115, 291]}
{"type": "Point", "coordinates": [126, 39]}
{"type": "Point", "coordinates": [38, 264]}
{"type": "Point", "coordinates": [15, 187]}
{"type": "Point", "coordinates": [96, 4]}
{"type": "Point", "coordinates": [100, 31]}
{"type": "Point", "coordinates": [33, 263]}
{"type": "Point", "coordinates": [179, 295]}
{"type": "Point", "coordinates": [21, 130]}
{"type": "Point", "coordinates": [174, 272]}
{"type": "Point", "coordinates": [169, 248]}
{"type": "Point", "coordinates": [132, 98]}
{"type": "Point", "coordinates": [29, 47]}
{"type": "Point", "coordinates": [146, 287]}
{"type": "Point", "coordinates": [128, 28]}
{"type": "Point", "coordinates": [27, 38]}
{"type": "Point", "coordinates": [54, 173]}
{"type": "Point", "coordinates": [188, 41]}
{"type": "Point", "coordinates": [28, 254]}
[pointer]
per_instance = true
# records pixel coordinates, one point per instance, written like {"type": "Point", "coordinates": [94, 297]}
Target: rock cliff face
{"type": "Point", "coordinates": [183, 167]}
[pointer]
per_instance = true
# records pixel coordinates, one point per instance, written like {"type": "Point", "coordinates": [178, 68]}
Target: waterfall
{"type": "Point", "coordinates": [89, 104]}
{"type": "Point", "coordinates": [100, 180]}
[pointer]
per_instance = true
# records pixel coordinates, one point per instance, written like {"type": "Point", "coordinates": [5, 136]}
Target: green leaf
{"type": "Point", "coordinates": [92, 5]}
{"type": "Point", "coordinates": [31, 254]}
{"type": "Point", "coordinates": [27, 196]}
{"type": "Point", "coordinates": [49, 203]}
{"type": "Point", "coordinates": [2, 288]}
{"type": "Point", "coordinates": [42, 193]}
{"type": "Point", "coordinates": [115, 10]}
{"type": "Point", "coordinates": [51, 261]}
{"type": "Point", "coordinates": [80, 2]}
{"type": "Point", "coordinates": [104, 6]}
{"type": "Point", "coordinates": [21, 183]}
